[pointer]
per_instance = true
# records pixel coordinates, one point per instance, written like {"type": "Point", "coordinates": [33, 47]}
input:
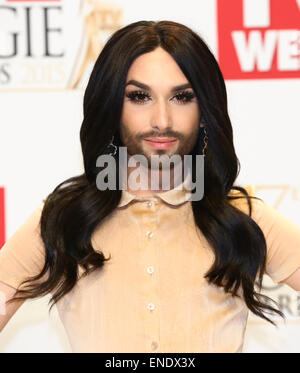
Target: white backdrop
{"type": "Point", "coordinates": [39, 141]}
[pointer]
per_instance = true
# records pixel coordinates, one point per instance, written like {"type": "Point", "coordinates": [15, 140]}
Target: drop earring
{"type": "Point", "coordinates": [114, 146]}
{"type": "Point", "coordinates": [205, 140]}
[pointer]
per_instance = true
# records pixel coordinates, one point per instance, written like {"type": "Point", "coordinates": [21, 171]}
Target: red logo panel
{"type": "Point", "coordinates": [259, 39]}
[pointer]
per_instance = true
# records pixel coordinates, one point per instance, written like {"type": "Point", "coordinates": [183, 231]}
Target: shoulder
{"type": "Point", "coordinates": [239, 200]}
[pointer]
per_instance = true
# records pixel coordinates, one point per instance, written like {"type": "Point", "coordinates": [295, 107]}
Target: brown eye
{"type": "Point", "coordinates": [185, 96]}
{"type": "Point", "coordinates": [137, 96]}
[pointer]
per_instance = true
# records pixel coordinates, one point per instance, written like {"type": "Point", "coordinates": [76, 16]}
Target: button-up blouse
{"type": "Point", "coordinates": [151, 296]}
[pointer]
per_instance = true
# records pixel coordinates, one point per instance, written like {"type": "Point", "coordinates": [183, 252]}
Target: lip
{"type": "Point", "coordinates": [161, 139]}
{"type": "Point", "coordinates": [162, 142]}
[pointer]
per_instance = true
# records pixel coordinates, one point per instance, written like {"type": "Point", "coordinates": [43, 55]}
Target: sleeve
{"type": "Point", "coordinates": [23, 254]}
{"type": "Point", "coordinates": [283, 241]}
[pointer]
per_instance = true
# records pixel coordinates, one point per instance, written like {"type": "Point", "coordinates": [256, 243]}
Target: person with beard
{"type": "Point", "coordinates": [151, 270]}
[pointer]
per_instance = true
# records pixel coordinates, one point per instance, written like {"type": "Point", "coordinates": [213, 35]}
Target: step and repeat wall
{"type": "Point", "coordinates": [47, 51]}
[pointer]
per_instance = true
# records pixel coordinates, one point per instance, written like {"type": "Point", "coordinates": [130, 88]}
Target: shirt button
{"type": "Point", "coordinates": [150, 306]}
{"type": "Point", "coordinates": [149, 234]}
{"type": "Point", "coordinates": [149, 203]}
{"type": "Point", "coordinates": [150, 270]}
{"type": "Point", "coordinates": [154, 345]}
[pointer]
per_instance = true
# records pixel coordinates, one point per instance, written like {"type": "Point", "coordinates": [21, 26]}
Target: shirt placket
{"type": "Point", "coordinates": [151, 289]}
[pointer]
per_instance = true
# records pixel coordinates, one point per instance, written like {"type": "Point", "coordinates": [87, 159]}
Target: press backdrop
{"type": "Point", "coordinates": [47, 51]}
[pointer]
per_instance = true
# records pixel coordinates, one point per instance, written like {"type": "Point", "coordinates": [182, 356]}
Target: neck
{"type": "Point", "coordinates": [144, 181]}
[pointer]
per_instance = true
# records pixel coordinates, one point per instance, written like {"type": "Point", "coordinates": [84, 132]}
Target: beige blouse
{"type": "Point", "coordinates": [151, 295]}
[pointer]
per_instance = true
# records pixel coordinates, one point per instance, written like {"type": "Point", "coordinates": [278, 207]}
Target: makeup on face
{"type": "Point", "coordinates": [161, 142]}
{"type": "Point", "coordinates": [140, 96]}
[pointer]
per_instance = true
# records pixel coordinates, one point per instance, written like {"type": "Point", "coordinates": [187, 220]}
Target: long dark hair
{"type": "Point", "coordinates": [74, 209]}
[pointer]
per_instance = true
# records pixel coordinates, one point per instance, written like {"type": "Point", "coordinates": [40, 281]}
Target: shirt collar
{"type": "Point", "coordinates": [175, 196]}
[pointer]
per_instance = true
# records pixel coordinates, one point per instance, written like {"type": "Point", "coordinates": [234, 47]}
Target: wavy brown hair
{"type": "Point", "coordinates": [76, 207]}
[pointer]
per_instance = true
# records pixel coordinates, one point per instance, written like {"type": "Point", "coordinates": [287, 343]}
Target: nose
{"type": "Point", "coordinates": [161, 119]}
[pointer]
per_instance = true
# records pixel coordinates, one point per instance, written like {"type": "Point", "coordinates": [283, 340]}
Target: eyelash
{"type": "Point", "coordinates": [188, 96]}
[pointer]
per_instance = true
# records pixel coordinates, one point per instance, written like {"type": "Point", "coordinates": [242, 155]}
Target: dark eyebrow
{"type": "Point", "coordinates": [146, 87]}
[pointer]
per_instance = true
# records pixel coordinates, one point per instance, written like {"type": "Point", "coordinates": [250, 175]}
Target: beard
{"type": "Point", "coordinates": [137, 146]}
